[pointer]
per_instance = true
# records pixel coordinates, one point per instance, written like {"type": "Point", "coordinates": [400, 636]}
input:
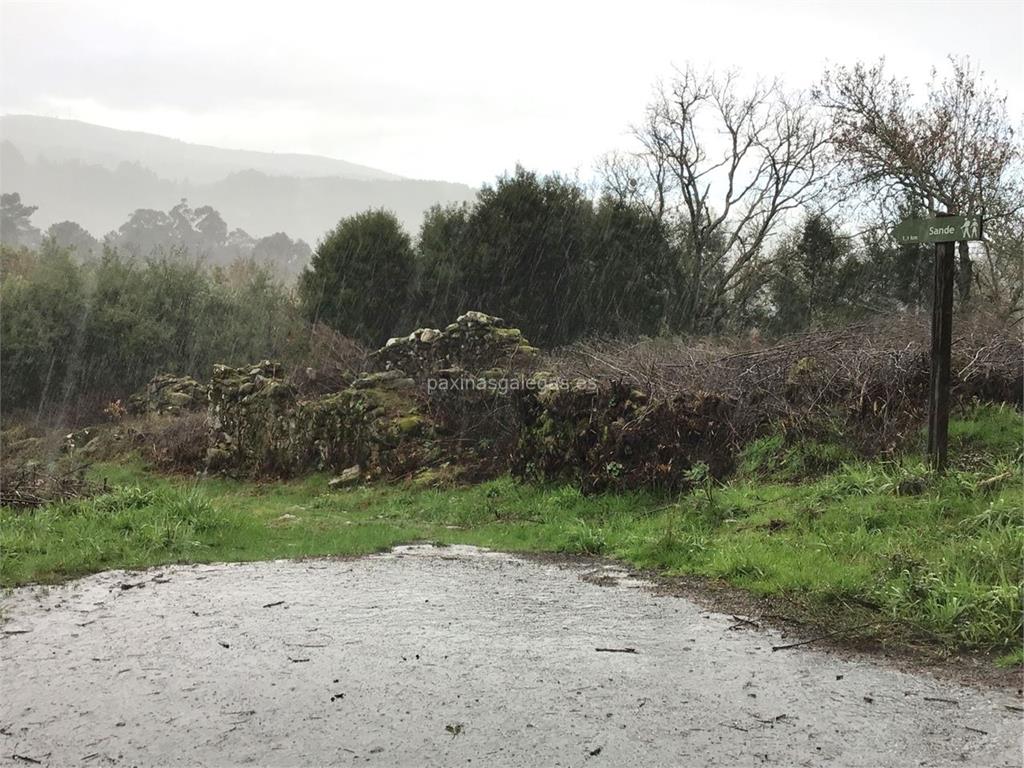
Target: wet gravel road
{"type": "Point", "coordinates": [449, 656]}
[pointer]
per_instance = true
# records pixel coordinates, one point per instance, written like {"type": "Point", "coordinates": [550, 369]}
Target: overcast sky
{"type": "Point", "coordinates": [454, 91]}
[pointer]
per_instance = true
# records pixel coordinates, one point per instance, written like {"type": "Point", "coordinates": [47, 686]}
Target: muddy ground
{"type": "Point", "coordinates": [451, 656]}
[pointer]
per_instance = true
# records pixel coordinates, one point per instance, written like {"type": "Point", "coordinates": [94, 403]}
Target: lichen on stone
{"type": "Point", "coordinates": [474, 342]}
{"type": "Point", "coordinates": [167, 393]}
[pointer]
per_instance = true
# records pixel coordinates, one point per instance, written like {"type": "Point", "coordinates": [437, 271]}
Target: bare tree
{"type": "Point", "coordinates": [1000, 277]}
{"type": "Point", "coordinates": [955, 152]}
{"type": "Point", "coordinates": [637, 177]}
{"type": "Point", "coordinates": [722, 168]}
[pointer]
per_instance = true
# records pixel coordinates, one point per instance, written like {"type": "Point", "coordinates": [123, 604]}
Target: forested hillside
{"type": "Point", "coordinates": [95, 177]}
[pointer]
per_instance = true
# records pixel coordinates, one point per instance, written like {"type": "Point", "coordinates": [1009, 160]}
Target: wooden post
{"type": "Point", "coordinates": [942, 338]}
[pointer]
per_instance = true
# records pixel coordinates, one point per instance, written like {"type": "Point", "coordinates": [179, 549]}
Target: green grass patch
{"type": "Point", "coordinates": [779, 457]}
{"type": "Point", "coordinates": [986, 433]}
{"type": "Point", "coordinates": [935, 557]}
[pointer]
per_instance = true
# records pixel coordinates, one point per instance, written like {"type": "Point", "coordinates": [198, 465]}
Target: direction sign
{"type": "Point", "coordinates": [941, 230]}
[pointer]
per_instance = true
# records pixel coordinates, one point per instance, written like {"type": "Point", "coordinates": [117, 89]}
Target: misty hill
{"type": "Point", "coordinates": [60, 140]}
{"type": "Point", "coordinates": [100, 189]}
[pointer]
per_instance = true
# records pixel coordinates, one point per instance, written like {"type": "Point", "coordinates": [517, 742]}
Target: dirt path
{"type": "Point", "coordinates": [448, 656]}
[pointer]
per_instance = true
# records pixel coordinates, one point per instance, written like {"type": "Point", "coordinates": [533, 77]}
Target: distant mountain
{"type": "Point", "coordinates": [84, 175]}
{"type": "Point", "coordinates": [61, 140]}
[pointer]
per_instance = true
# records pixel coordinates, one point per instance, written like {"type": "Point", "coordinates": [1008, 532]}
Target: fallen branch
{"type": "Point", "coordinates": [741, 622]}
{"type": "Point", "coordinates": [823, 637]}
{"type": "Point", "coordinates": [996, 479]}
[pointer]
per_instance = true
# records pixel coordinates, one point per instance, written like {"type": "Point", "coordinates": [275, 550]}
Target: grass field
{"type": "Point", "coordinates": [889, 544]}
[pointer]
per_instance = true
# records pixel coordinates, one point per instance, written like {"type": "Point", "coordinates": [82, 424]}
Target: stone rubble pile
{"type": "Point", "coordinates": [166, 393]}
{"type": "Point", "coordinates": [389, 422]}
{"type": "Point", "coordinates": [475, 343]}
{"type": "Point", "coordinates": [260, 424]}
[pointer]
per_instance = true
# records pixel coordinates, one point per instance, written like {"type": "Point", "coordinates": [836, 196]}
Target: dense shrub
{"type": "Point", "coordinates": [179, 443]}
{"type": "Point", "coordinates": [539, 252]}
{"type": "Point", "coordinates": [358, 279]}
{"type": "Point", "coordinates": [78, 335]}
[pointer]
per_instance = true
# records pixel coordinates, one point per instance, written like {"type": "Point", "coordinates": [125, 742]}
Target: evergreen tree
{"type": "Point", "coordinates": [630, 271]}
{"type": "Point", "coordinates": [812, 277]}
{"type": "Point", "coordinates": [15, 221]}
{"type": "Point", "coordinates": [439, 293]}
{"type": "Point", "coordinates": [524, 255]}
{"type": "Point", "coordinates": [359, 278]}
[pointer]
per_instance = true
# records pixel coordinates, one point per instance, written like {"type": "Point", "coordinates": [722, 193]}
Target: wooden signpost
{"type": "Point", "coordinates": [944, 231]}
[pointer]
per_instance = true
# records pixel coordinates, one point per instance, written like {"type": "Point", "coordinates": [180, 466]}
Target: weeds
{"type": "Point", "coordinates": [777, 457]}
{"type": "Point", "coordinates": [583, 538]}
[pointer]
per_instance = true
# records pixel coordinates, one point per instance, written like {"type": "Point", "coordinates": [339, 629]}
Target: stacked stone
{"type": "Point", "coordinates": [416, 353]}
{"type": "Point", "coordinates": [475, 342]}
{"type": "Point", "coordinates": [167, 393]}
{"type": "Point", "coordinates": [260, 424]}
{"type": "Point", "coordinates": [249, 408]}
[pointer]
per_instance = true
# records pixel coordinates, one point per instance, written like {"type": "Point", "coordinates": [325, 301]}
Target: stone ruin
{"type": "Point", "coordinates": [379, 423]}
{"type": "Point", "coordinates": [609, 430]}
{"type": "Point", "coordinates": [260, 424]}
{"type": "Point", "coordinates": [386, 422]}
{"type": "Point", "coordinates": [474, 343]}
{"type": "Point", "coordinates": [166, 393]}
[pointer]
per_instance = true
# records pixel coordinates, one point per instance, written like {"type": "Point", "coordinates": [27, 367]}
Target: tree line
{"type": "Point", "coordinates": [739, 208]}
{"type": "Point", "coordinates": [77, 334]}
{"type": "Point", "coordinates": [201, 231]}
